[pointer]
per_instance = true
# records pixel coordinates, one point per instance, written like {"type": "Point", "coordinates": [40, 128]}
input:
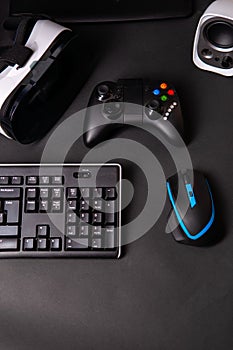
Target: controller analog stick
{"type": "Point", "coordinates": [112, 109]}
{"type": "Point", "coordinates": [103, 91]}
{"type": "Point", "coordinates": [154, 105]}
{"type": "Point", "coordinates": [220, 34]}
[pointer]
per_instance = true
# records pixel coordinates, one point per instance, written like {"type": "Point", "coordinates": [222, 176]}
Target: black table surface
{"type": "Point", "coordinates": [160, 295]}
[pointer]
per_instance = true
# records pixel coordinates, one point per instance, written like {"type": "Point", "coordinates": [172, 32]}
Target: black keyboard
{"type": "Point", "coordinates": [71, 210]}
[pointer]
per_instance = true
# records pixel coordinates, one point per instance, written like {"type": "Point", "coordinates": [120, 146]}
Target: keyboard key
{"type": "Point", "coordinates": [84, 205]}
{"type": "Point", "coordinates": [44, 193]}
{"type": "Point", "coordinates": [57, 180]}
{"type": "Point", "coordinates": [42, 244]}
{"type": "Point", "coordinates": [110, 193]}
{"type": "Point", "coordinates": [97, 193]}
{"type": "Point", "coordinates": [17, 180]}
{"type": "Point", "coordinates": [97, 219]}
{"type": "Point", "coordinates": [42, 231]}
{"type": "Point", "coordinates": [71, 231]}
{"type": "Point", "coordinates": [31, 193]}
{"type": "Point", "coordinates": [44, 180]}
{"type": "Point", "coordinates": [109, 237]}
{"type": "Point", "coordinates": [56, 193]}
{"type": "Point", "coordinates": [12, 210]}
{"type": "Point", "coordinates": [32, 180]}
{"type": "Point", "coordinates": [84, 231]}
{"type": "Point", "coordinates": [98, 205]}
{"type": "Point", "coordinates": [71, 218]}
{"type": "Point", "coordinates": [30, 206]}
{"type": "Point", "coordinates": [9, 244]}
{"type": "Point", "coordinates": [9, 231]}
{"type": "Point", "coordinates": [29, 244]}
{"type": "Point", "coordinates": [76, 244]}
{"type": "Point", "coordinates": [4, 180]}
{"type": "Point", "coordinates": [1, 218]}
{"type": "Point", "coordinates": [85, 192]}
{"type": "Point", "coordinates": [96, 243]}
{"type": "Point", "coordinates": [85, 217]}
{"type": "Point", "coordinates": [44, 206]}
{"type": "Point", "coordinates": [110, 207]}
{"type": "Point", "coordinates": [97, 231]}
{"type": "Point", "coordinates": [55, 244]}
{"type": "Point", "coordinates": [72, 205]}
{"type": "Point", "coordinates": [56, 206]}
{"type": "Point", "coordinates": [110, 219]}
{"type": "Point", "coordinates": [9, 193]}
{"type": "Point", "coordinates": [72, 193]}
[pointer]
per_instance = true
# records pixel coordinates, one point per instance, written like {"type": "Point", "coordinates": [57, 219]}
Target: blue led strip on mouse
{"type": "Point", "coordinates": [184, 228]}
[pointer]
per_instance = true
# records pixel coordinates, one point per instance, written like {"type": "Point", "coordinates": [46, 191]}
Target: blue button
{"type": "Point", "coordinates": [156, 92]}
{"type": "Point", "coordinates": [191, 196]}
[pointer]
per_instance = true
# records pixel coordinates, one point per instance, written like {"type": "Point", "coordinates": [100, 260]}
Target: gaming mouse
{"type": "Point", "coordinates": [192, 218]}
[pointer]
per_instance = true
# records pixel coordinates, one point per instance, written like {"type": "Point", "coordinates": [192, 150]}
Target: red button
{"type": "Point", "coordinates": [171, 92]}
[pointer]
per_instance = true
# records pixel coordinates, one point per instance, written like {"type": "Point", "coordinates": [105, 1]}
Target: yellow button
{"type": "Point", "coordinates": [163, 86]}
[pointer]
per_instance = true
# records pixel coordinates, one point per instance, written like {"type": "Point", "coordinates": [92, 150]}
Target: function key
{"type": "Point", "coordinates": [29, 244]}
{"type": "Point", "coordinates": [110, 193]}
{"type": "Point", "coordinates": [9, 193]}
{"type": "Point", "coordinates": [42, 231]}
{"type": "Point", "coordinates": [31, 193]}
{"type": "Point", "coordinates": [55, 244]}
{"type": "Point", "coordinates": [32, 180]}
{"type": "Point", "coordinates": [17, 180]}
{"type": "Point", "coordinates": [44, 180]}
{"type": "Point", "coordinates": [9, 244]}
{"type": "Point", "coordinates": [57, 180]}
{"type": "Point", "coordinates": [4, 180]}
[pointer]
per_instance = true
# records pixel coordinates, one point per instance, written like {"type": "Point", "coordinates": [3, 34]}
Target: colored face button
{"type": "Point", "coordinates": [163, 86]}
{"type": "Point", "coordinates": [171, 92]}
{"type": "Point", "coordinates": [164, 98]}
{"type": "Point", "coordinates": [156, 92]}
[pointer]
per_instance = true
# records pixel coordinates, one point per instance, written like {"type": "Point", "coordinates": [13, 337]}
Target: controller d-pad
{"type": "Point", "coordinates": [112, 109]}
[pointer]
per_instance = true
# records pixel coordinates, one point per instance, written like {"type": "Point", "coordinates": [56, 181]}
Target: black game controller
{"type": "Point", "coordinates": [133, 102]}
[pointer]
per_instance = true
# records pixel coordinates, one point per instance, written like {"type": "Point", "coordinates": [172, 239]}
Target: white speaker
{"type": "Point", "coordinates": [213, 44]}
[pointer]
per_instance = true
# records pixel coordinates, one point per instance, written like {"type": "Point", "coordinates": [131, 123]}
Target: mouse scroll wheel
{"type": "Point", "coordinates": [191, 196]}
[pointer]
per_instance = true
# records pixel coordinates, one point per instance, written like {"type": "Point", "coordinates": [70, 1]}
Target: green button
{"type": "Point", "coordinates": [164, 98]}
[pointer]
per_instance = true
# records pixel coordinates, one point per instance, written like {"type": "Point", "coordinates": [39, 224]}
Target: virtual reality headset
{"type": "Point", "coordinates": [40, 74]}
